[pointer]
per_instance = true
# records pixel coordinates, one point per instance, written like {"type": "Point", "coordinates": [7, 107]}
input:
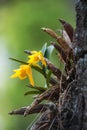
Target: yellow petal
{"type": "Point", "coordinates": [23, 72]}
{"type": "Point", "coordinates": [31, 80]}
{"type": "Point", "coordinates": [29, 73]}
{"type": "Point", "coordinates": [35, 58]}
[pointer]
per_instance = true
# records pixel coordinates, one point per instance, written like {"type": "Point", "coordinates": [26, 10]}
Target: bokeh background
{"type": "Point", "coordinates": [20, 29]}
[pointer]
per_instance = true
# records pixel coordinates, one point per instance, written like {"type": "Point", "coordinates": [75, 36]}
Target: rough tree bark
{"type": "Point", "coordinates": [80, 41]}
{"type": "Point", "coordinates": [79, 86]}
{"type": "Point", "coordinates": [78, 92]}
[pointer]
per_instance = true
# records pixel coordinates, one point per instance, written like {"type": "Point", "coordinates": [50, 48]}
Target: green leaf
{"type": "Point", "coordinates": [43, 50]}
{"type": "Point", "coordinates": [32, 92]}
{"type": "Point", "coordinates": [37, 88]}
{"type": "Point", "coordinates": [49, 51]}
{"type": "Point", "coordinates": [18, 61]}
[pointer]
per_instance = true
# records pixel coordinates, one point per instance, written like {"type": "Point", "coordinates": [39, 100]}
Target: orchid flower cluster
{"type": "Point", "coordinates": [39, 61]}
{"type": "Point", "coordinates": [25, 70]}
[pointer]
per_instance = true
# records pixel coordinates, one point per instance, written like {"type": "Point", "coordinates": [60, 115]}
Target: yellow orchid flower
{"type": "Point", "coordinates": [36, 57]}
{"type": "Point", "coordinates": [23, 72]}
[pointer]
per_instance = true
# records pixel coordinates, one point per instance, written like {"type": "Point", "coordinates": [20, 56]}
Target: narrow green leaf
{"type": "Point", "coordinates": [37, 88]}
{"type": "Point", "coordinates": [18, 61]}
{"type": "Point", "coordinates": [32, 92]}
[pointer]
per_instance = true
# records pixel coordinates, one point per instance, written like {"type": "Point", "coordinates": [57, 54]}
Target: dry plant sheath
{"type": "Point", "coordinates": [65, 106]}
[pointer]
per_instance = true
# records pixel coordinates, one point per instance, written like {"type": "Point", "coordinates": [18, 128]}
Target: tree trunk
{"type": "Point", "coordinates": [80, 50]}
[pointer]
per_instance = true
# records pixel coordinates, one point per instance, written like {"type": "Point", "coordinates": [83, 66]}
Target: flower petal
{"type": "Point", "coordinates": [23, 72]}
{"type": "Point", "coordinates": [35, 58]}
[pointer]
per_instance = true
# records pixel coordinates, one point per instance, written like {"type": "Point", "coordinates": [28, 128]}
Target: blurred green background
{"type": "Point", "coordinates": [20, 29]}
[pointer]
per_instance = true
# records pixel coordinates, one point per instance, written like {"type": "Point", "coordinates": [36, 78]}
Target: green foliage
{"type": "Point", "coordinates": [47, 50]}
{"type": "Point", "coordinates": [37, 90]}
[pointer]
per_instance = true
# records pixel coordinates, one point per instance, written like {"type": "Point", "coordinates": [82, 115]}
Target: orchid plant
{"type": "Point", "coordinates": [56, 87]}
